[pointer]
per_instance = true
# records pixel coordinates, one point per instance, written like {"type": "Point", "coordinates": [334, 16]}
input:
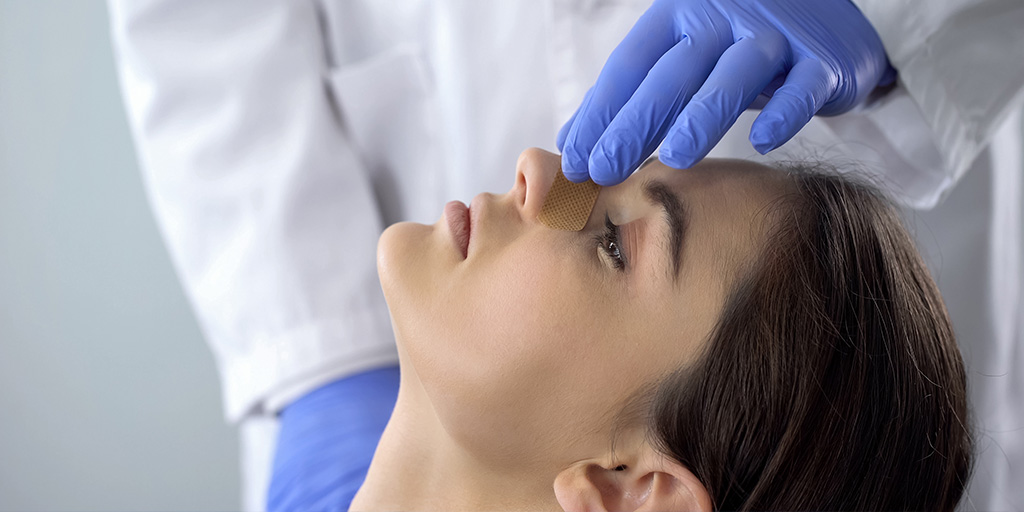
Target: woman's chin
{"type": "Point", "coordinates": [404, 258]}
{"type": "Point", "coordinates": [410, 261]}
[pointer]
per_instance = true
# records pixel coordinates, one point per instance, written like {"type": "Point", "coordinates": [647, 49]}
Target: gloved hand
{"type": "Point", "coordinates": [688, 68]}
{"type": "Point", "coordinates": [327, 440]}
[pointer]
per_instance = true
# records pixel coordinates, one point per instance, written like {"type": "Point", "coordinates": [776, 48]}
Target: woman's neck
{"type": "Point", "coordinates": [418, 466]}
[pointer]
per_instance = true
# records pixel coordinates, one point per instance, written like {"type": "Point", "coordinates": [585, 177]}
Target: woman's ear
{"type": "Point", "coordinates": [646, 481]}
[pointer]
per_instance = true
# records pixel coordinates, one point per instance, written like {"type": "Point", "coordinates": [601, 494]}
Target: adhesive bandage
{"type": "Point", "coordinates": [567, 205]}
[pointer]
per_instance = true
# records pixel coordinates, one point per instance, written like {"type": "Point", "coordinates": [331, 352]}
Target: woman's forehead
{"type": "Point", "coordinates": [725, 203]}
{"type": "Point", "coordinates": [710, 169]}
{"type": "Point", "coordinates": [714, 181]}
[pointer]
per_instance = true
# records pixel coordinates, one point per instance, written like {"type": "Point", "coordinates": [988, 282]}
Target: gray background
{"type": "Point", "coordinates": [109, 398]}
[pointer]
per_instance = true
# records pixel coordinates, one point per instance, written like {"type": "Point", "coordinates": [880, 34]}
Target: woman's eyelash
{"type": "Point", "coordinates": [608, 241]}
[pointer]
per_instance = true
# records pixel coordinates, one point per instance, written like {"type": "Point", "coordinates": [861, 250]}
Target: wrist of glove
{"type": "Point", "coordinates": [327, 440]}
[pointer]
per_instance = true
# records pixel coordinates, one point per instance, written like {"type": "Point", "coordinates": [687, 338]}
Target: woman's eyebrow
{"type": "Point", "coordinates": [659, 194]}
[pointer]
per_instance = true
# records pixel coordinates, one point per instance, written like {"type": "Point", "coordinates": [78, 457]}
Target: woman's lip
{"type": "Point", "coordinates": [476, 210]}
{"type": "Point", "coordinates": [457, 214]}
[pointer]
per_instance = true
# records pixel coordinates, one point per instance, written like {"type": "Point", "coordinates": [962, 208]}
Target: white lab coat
{"type": "Point", "coordinates": [279, 137]}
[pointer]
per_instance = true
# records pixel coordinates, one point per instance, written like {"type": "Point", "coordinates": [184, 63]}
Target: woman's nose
{"type": "Point", "coordinates": [535, 172]}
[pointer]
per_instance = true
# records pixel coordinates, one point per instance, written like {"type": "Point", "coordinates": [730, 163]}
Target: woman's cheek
{"type": "Point", "coordinates": [538, 309]}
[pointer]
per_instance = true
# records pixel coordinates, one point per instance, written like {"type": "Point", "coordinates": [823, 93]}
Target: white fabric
{"type": "Point", "coordinates": [257, 438]}
{"type": "Point", "coordinates": [278, 137]}
{"type": "Point", "coordinates": [960, 65]}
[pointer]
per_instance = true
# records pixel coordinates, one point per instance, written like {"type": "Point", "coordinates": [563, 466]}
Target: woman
{"type": "Point", "coordinates": [727, 337]}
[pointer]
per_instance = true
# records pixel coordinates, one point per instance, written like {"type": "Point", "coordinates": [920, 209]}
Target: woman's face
{"type": "Point", "coordinates": [532, 342]}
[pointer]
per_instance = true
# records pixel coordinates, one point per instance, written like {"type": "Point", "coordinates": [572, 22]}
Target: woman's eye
{"type": "Point", "coordinates": [608, 241]}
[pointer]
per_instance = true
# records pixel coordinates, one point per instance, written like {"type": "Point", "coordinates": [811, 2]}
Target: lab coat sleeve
{"type": "Point", "coordinates": [960, 75]}
{"type": "Point", "coordinates": [267, 212]}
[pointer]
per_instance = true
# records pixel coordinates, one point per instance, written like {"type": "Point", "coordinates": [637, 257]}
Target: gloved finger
{"type": "Point", "coordinates": [766, 94]}
{"type": "Point", "coordinates": [629, 63]}
{"type": "Point", "coordinates": [744, 70]}
{"type": "Point", "coordinates": [808, 87]}
{"type": "Point", "coordinates": [564, 131]}
{"type": "Point", "coordinates": [888, 76]}
{"type": "Point", "coordinates": [641, 124]}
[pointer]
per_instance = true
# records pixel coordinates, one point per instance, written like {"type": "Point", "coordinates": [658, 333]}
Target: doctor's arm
{"type": "Point", "coordinates": [268, 215]}
{"type": "Point", "coordinates": [688, 68]}
{"type": "Point", "coordinates": [961, 76]}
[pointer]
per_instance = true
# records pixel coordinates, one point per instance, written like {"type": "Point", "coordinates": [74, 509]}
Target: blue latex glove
{"type": "Point", "coordinates": [688, 68]}
{"type": "Point", "coordinates": [327, 440]}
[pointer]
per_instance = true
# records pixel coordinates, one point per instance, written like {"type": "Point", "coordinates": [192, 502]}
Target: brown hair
{"type": "Point", "coordinates": [832, 380]}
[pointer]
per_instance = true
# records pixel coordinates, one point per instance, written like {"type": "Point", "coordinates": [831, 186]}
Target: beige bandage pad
{"type": "Point", "coordinates": [568, 205]}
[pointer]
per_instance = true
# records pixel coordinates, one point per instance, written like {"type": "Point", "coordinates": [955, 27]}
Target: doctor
{"type": "Point", "coordinates": [278, 138]}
